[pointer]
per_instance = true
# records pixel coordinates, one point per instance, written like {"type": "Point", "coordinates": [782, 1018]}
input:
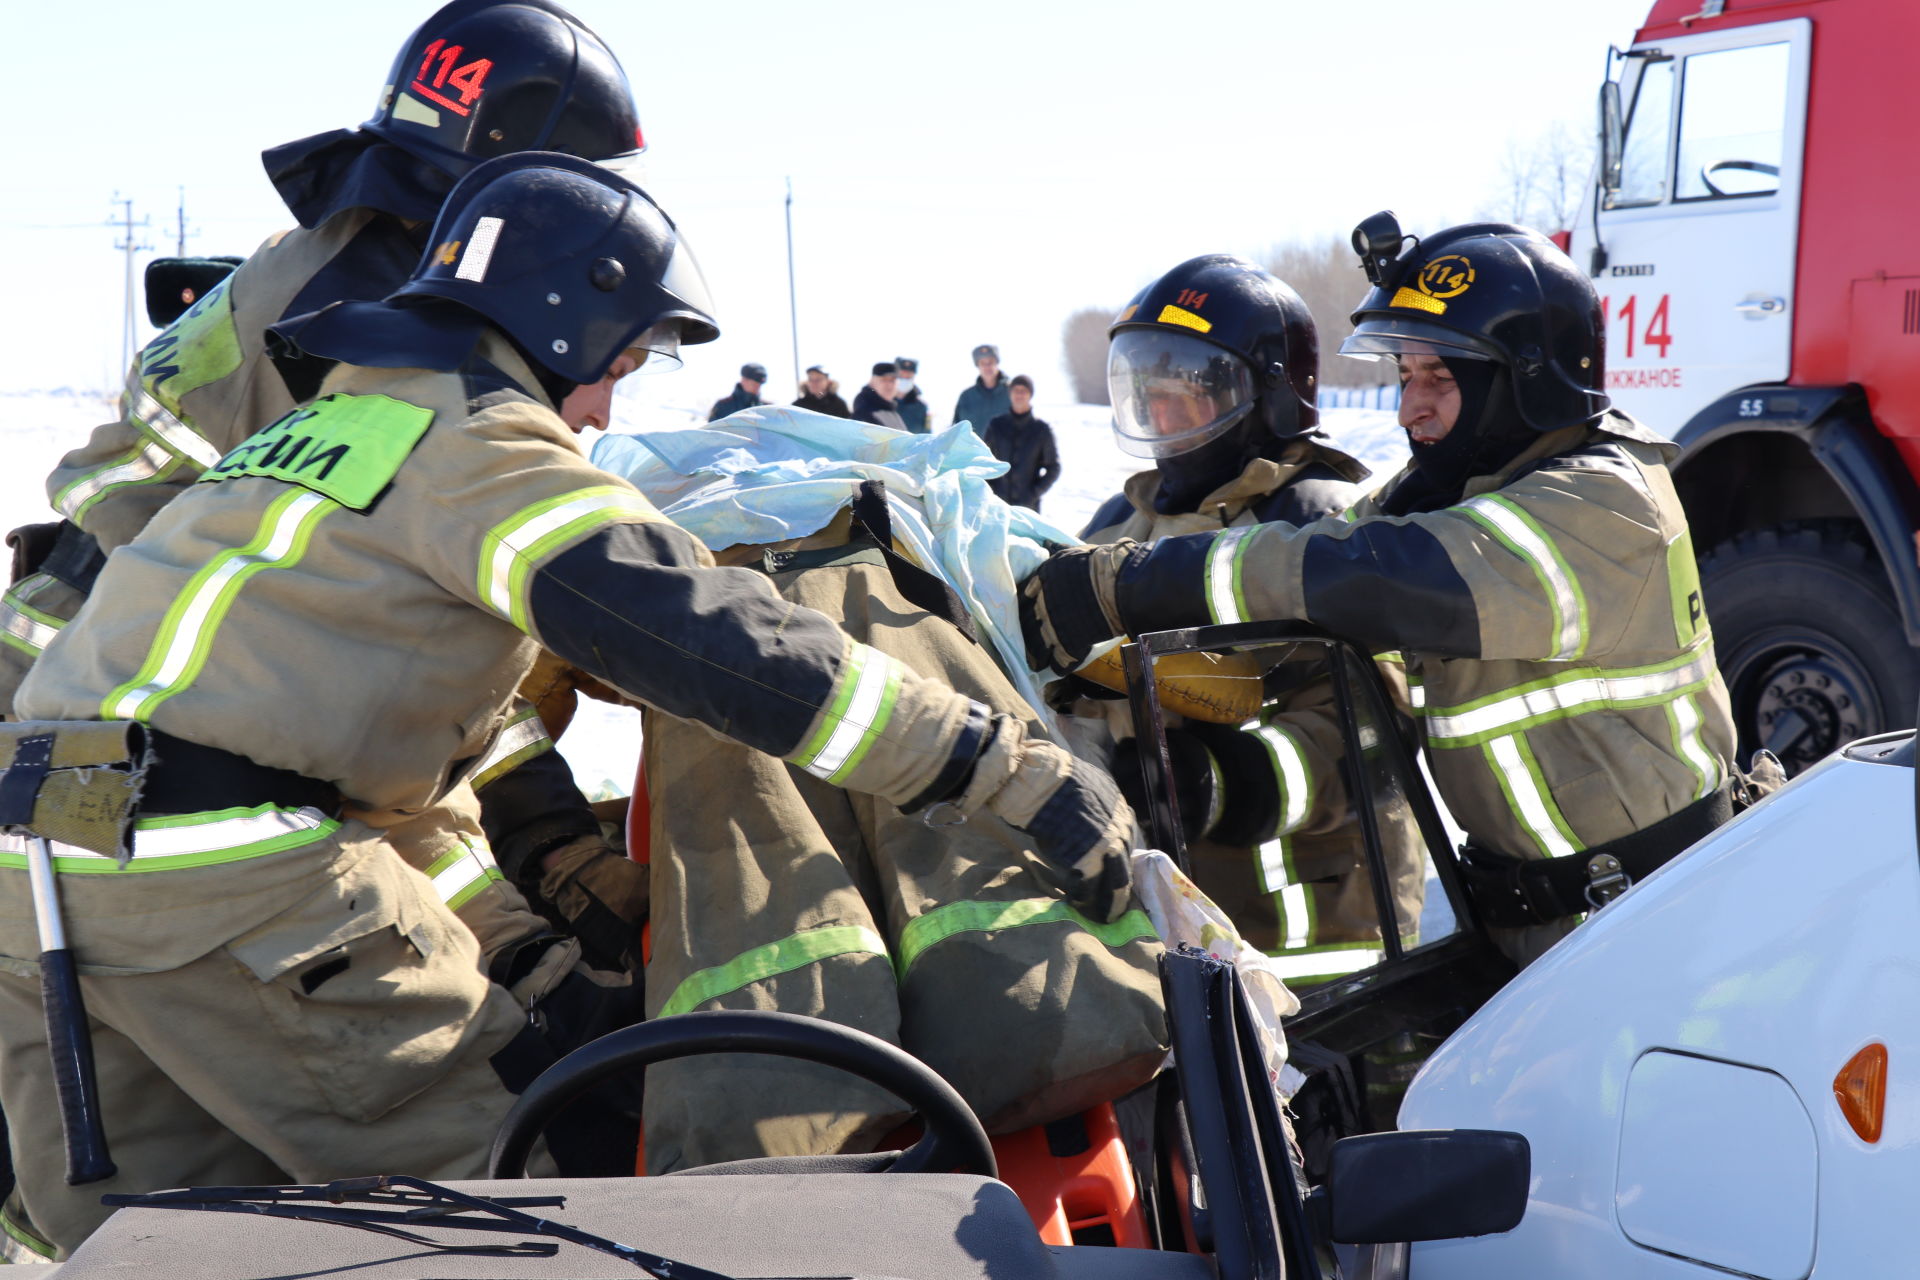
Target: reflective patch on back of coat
{"type": "Point", "coordinates": [1683, 587]}
{"type": "Point", "coordinates": [201, 347]}
{"type": "Point", "coordinates": [344, 447]}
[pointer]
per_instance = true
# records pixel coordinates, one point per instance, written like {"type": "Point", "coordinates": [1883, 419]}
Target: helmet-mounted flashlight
{"type": "Point", "coordinates": [1377, 240]}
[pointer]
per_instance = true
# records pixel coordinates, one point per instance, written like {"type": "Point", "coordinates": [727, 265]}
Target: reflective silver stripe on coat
{"type": "Point", "coordinates": [463, 871]}
{"type": "Point", "coordinates": [23, 625]}
{"type": "Point", "coordinates": [1325, 963]}
{"type": "Point", "coordinates": [175, 434]}
{"type": "Point", "coordinates": [189, 839]}
{"type": "Point", "coordinates": [1291, 771]}
{"type": "Point", "coordinates": [1687, 721]}
{"type": "Point", "coordinates": [524, 732]}
{"type": "Point", "coordinates": [21, 1247]}
{"type": "Point", "coordinates": [1296, 902]}
{"type": "Point", "coordinates": [1223, 561]}
{"type": "Point", "coordinates": [1530, 802]}
{"type": "Point", "coordinates": [867, 708]}
{"type": "Point", "coordinates": [142, 466]}
{"type": "Point", "coordinates": [1576, 694]}
{"type": "Point", "coordinates": [1526, 535]}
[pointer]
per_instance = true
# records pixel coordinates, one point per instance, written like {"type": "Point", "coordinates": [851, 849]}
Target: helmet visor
{"type": "Point", "coordinates": [1173, 392]}
{"type": "Point", "coordinates": [1386, 337]}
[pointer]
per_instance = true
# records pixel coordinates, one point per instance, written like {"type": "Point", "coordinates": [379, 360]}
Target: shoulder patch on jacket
{"type": "Point", "coordinates": [344, 447]}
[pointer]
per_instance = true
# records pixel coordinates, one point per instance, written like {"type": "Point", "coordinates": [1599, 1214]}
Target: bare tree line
{"type": "Point", "coordinates": [1540, 182]}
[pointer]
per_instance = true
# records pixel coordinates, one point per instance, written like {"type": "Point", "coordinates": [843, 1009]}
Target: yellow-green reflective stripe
{"type": "Point", "coordinates": [23, 626]}
{"type": "Point", "coordinates": [1523, 535]}
{"type": "Point", "coordinates": [179, 841]}
{"type": "Point", "coordinates": [180, 647]}
{"type": "Point", "coordinates": [177, 436]}
{"type": "Point", "coordinates": [1307, 965]}
{"type": "Point", "coordinates": [795, 951]}
{"type": "Point", "coordinates": [512, 547]}
{"type": "Point", "coordinates": [856, 716]}
{"type": "Point", "coordinates": [1526, 793]}
{"type": "Point", "coordinates": [463, 871]}
{"type": "Point", "coordinates": [1291, 772]}
{"type": "Point", "coordinates": [1226, 602]}
{"type": "Point", "coordinates": [1293, 899]}
{"type": "Point", "coordinates": [21, 1246]}
{"type": "Point", "coordinates": [145, 462]}
{"type": "Point", "coordinates": [200, 347]}
{"type": "Point", "coordinates": [941, 923]}
{"type": "Point", "coordinates": [1565, 695]}
{"type": "Point", "coordinates": [523, 738]}
{"type": "Point", "coordinates": [1683, 714]}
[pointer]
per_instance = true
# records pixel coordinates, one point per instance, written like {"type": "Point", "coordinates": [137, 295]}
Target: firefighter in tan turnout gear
{"type": "Point", "coordinates": [336, 617]}
{"type": "Point", "coordinates": [1292, 875]}
{"type": "Point", "coordinates": [364, 200]}
{"type": "Point", "coordinates": [1532, 563]}
{"type": "Point", "coordinates": [803, 898]}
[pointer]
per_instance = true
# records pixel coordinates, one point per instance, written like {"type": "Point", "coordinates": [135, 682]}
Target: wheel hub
{"type": "Point", "coordinates": [1808, 704]}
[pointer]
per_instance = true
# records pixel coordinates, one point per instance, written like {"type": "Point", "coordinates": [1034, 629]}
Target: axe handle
{"type": "Point", "coordinates": [69, 1039]}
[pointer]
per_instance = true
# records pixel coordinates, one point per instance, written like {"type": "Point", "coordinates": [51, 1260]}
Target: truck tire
{"type": "Point", "coordinates": [1809, 639]}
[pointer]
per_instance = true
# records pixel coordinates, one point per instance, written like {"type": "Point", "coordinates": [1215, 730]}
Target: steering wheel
{"type": "Point", "coordinates": [1745, 166]}
{"type": "Point", "coordinates": [954, 1138]}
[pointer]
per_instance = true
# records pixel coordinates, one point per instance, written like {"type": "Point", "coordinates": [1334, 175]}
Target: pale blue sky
{"type": "Point", "coordinates": [962, 172]}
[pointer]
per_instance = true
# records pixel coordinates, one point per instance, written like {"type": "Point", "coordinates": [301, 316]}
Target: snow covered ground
{"type": "Point", "coordinates": [37, 427]}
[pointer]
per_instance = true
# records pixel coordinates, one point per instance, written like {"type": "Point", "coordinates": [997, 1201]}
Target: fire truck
{"type": "Point", "coordinates": [1763, 307]}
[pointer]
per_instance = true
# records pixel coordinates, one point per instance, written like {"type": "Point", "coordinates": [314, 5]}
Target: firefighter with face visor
{"type": "Point", "coordinates": [335, 617]}
{"type": "Point", "coordinates": [1212, 371]}
{"type": "Point", "coordinates": [1532, 563]}
{"type": "Point", "coordinates": [479, 78]}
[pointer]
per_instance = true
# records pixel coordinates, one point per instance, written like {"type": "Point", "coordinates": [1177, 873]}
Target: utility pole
{"type": "Point", "coordinates": [793, 297]}
{"type": "Point", "coordinates": [180, 226]}
{"type": "Point", "coordinates": [129, 246]}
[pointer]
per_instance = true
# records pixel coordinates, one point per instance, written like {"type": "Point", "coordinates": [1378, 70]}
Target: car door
{"type": "Point", "coordinates": [1698, 242]}
{"type": "Point", "coordinates": [1363, 1030]}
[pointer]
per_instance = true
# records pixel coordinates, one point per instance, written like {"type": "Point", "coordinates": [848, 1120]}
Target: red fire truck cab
{"type": "Point", "coordinates": [1763, 308]}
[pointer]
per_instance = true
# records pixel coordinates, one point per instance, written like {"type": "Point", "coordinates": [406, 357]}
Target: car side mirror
{"type": "Point", "coordinates": [1612, 136]}
{"type": "Point", "coordinates": [1426, 1184]}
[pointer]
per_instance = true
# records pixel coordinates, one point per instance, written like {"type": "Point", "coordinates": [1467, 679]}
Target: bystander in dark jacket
{"type": "Point", "coordinates": [745, 394]}
{"type": "Point", "coordinates": [822, 395]}
{"type": "Point", "coordinates": [1025, 444]}
{"type": "Point", "coordinates": [875, 403]}
{"type": "Point", "coordinates": [988, 397]}
{"type": "Point", "coordinates": [913, 410]}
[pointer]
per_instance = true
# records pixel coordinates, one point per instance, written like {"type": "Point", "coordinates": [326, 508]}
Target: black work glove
{"type": "Point", "coordinates": [1061, 611]}
{"type": "Point", "coordinates": [1082, 830]}
{"type": "Point", "coordinates": [1196, 782]}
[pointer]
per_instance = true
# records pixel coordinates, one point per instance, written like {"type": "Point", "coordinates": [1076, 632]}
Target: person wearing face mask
{"type": "Point", "coordinates": [911, 407]}
{"type": "Point", "coordinates": [875, 403]}
{"type": "Point", "coordinates": [1532, 562]}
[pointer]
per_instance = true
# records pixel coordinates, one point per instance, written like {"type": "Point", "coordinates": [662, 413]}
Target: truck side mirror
{"type": "Point", "coordinates": [1426, 1184]}
{"type": "Point", "coordinates": [1612, 136]}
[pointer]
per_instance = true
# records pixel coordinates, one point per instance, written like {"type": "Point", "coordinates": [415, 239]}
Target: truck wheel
{"type": "Point", "coordinates": [1809, 639]}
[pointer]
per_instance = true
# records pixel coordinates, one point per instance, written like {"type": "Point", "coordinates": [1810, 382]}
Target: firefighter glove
{"type": "Point", "coordinates": [1067, 605]}
{"type": "Point", "coordinates": [603, 898]}
{"type": "Point", "coordinates": [1082, 830]}
{"type": "Point", "coordinates": [1196, 781]}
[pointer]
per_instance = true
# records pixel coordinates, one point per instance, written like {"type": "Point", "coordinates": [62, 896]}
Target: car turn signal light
{"type": "Point", "coordinates": [1861, 1091]}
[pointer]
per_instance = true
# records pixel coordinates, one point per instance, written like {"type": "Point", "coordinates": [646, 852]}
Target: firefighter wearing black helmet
{"type": "Point", "coordinates": [1213, 372]}
{"type": "Point", "coordinates": [479, 78]}
{"type": "Point", "coordinates": [1532, 563]}
{"type": "Point", "coordinates": [333, 620]}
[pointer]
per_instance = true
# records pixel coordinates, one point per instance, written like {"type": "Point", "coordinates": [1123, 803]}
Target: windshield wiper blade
{"type": "Point", "coordinates": [398, 1198]}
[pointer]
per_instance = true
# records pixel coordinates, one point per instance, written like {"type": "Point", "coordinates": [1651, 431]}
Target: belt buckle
{"type": "Point", "coordinates": [1606, 880]}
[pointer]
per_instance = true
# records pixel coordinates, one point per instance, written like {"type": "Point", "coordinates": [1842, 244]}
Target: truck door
{"type": "Point", "coordinates": [1699, 240]}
